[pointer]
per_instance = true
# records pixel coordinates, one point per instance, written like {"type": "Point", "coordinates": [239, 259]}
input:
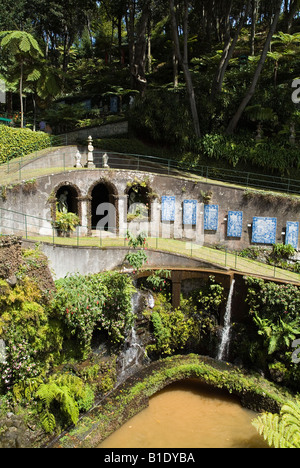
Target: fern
{"type": "Point", "coordinates": [281, 431]}
{"type": "Point", "coordinates": [65, 390]}
{"type": "Point", "coordinates": [26, 389]}
{"type": "Point", "coordinates": [48, 421]}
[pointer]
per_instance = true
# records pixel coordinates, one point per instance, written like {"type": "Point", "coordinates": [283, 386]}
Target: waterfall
{"type": "Point", "coordinates": [225, 338]}
{"type": "Point", "coordinates": [133, 353]}
{"type": "Point", "coordinates": [132, 356]}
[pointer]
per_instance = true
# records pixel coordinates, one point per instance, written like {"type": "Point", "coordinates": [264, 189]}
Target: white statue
{"type": "Point", "coordinates": [63, 203]}
{"type": "Point", "coordinates": [78, 159]}
{"type": "Point", "coordinates": [105, 161]}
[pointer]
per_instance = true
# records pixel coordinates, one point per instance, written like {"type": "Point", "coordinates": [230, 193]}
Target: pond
{"type": "Point", "coordinates": [189, 414]}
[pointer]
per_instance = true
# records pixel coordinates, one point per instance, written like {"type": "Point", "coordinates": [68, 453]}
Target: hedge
{"type": "Point", "coordinates": [16, 142]}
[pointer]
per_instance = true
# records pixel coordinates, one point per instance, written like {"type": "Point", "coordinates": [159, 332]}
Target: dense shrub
{"type": "Point", "coordinates": [15, 142]}
{"type": "Point", "coordinates": [274, 155]}
{"type": "Point", "coordinates": [101, 301]}
{"type": "Point", "coordinates": [274, 310]}
{"type": "Point", "coordinates": [33, 339]}
{"type": "Point", "coordinates": [191, 326]}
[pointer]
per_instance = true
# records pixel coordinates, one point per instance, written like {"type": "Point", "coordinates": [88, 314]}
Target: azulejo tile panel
{"type": "Point", "coordinates": [168, 208]}
{"type": "Point", "coordinates": [190, 212]}
{"type": "Point", "coordinates": [211, 217]}
{"type": "Point", "coordinates": [264, 230]}
{"type": "Point", "coordinates": [292, 234]}
{"type": "Point", "coordinates": [235, 224]}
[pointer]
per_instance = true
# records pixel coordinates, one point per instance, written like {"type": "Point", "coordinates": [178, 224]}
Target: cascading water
{"type": "Point", "coordinates": [225, 338]}
{"type": "Point", "coordinates": [133, 354]}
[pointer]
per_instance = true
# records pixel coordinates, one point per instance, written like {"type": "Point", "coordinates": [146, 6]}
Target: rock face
{"type": "Point", "coordinates": [10, 255]}
{"type": "Point", "coordinates": [34, 265]}
{"type": "Point", "coordinates": [15, 433]}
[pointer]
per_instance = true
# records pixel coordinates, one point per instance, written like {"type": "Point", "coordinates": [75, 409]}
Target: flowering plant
{"type": "Point", "coordinates": [101, 301]}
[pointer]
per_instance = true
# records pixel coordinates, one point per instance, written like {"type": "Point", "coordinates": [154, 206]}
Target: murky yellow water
{"type": "Point", "coordinates": [189, 415]}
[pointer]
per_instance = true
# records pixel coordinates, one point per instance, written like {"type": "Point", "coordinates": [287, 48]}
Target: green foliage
{"type": "Point", "coordinates": [157, 280]}
{"type": "Point", "coordinates": [15, 143]}
{"type": "Point", "coordinates": [281, 431]}
{"type": "Point", "coordinates": [163, 116]}
{"type": "Point", "coordinates": [171, 328]}
{"type": "Point", "coordinates": [66, 222]}
{"type": "Point", "coordinates": [20, 43]}
{"type": "Point", "coordinates": [273, 301]}
{"type": "Point", "coordinates": [282, 251]}
{"type": "Point", "coordinates": [209, 297]}
{"type": "Point", "coordinates": [274, 309]}
{"type": "Point", "coordinates": [189, 326]}
{"type": "Point", "coordinates": [33, 338]}
{"type": "Point", "coordinates": [101, 301]}
{"type": "Point", "coordinates": [62, 397]}
{"type": "Point", "coordinates": [275, 155]}
{"type": "Point", "coordinates": [137, 258]}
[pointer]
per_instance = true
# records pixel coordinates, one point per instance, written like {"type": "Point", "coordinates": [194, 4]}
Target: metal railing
{"type": "Point", "coordinates": [154, 164]}
{"type": "Point", "coordinates": [41, 230]}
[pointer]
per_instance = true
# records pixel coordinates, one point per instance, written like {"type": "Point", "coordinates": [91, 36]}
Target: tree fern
{"type": "Point", "coordinates": [23, 47]}
{"type": "Point", "coordinates": [281, 431]}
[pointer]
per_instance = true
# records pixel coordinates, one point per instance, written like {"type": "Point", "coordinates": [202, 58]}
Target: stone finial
{"type": "Point", "coordinates": [90, 162]}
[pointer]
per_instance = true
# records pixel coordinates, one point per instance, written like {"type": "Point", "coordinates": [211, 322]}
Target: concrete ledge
{"type": "Point", "coordinates": [64, 260]}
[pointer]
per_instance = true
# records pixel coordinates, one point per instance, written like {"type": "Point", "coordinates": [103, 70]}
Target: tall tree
{"type": "Point", "coordinates": [184, 61]}
{"type": "Point", "coordinates": [236, 118]}
{"type": "Point", "coordinates": [24, 49]}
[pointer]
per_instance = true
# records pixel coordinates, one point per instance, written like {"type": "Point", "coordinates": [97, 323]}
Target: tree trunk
{"type": "Point", "coordinates": [253, 25]}
{"type": "Point", "coordinates": [138, 68]}
{"type": "Point", "coordinates": [235, 120]}
{"type": "Point", "coordinates": [184, 64]}
{"type": "Point", "coordinates": [21, 95]}
{"type": "Point", "coordinates": [291, 14]}
{"type": "Point", "coordinates": [175, 70]}
{"type": "Point", "coordinates": [130, 26]}
{"type": "Point", "coordinates": [228, 53]}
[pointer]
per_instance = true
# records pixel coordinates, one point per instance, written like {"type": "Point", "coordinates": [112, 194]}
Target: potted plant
{"type": "Point", "coordinates": [65, 223]}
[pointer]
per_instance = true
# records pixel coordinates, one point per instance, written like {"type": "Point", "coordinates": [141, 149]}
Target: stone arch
{"type": "Point", "coordinates": [73, 198]}
{"type": "Point", "coordinates": [139, 192]}
{"type": "Point", "coordinates": [102, 195]}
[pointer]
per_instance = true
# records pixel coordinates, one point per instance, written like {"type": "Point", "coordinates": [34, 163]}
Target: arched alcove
{"type": "Point", "coordinates": [103, 206]}
{"type": "Point", "coordinates": [68, 197]}
{"type": "Point", "coordinates": [139, 201]}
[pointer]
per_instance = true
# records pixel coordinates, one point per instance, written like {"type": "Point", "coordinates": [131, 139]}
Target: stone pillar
{"type": "Point", "coordinates": [176, 289]}
{"type": "Point", "coordinates": [122, 201]}
{"type": "Point", "coordinates": [84, 215]}
{"type": "Point", "coordinates": [155, 219]}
